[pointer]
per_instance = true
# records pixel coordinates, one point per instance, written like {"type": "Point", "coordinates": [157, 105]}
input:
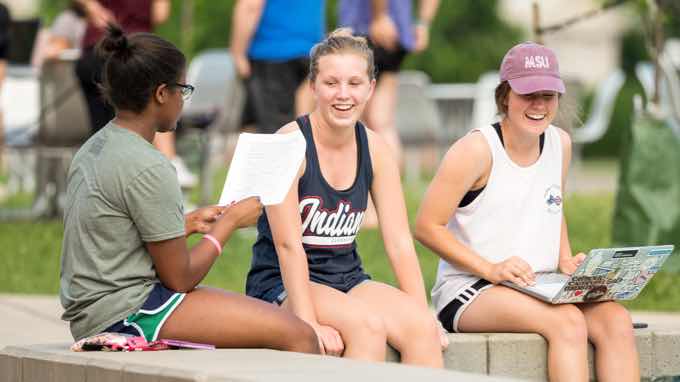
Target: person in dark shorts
{"type": "Point", "coordinates": [5, 21]}
{"type": "Point", "coordinates": [131, 16]}
{"type": "Point", "coordinates": [305, 257]}
{"type": "Point", "coordinates": [125, 265]}
{"type": "Point", "coordinates": [270, 54]}
{"type": "Point", "coordinates": [392, 33]}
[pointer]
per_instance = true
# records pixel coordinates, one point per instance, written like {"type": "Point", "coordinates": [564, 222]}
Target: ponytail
{"type": "Point", "coordinates": [135, 65]}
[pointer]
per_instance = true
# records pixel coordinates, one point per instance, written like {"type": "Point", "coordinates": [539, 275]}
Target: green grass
{"type": "Point", "coordinates": [29, 258]}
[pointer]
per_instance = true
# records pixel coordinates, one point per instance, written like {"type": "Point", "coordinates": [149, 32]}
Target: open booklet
{"type": "Point", "coordinates": [263, 165]}
{"type": "Point", "coordinates": [125, 342]}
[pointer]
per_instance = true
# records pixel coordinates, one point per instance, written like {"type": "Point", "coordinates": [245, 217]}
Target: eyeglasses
{"type": "Point", "coordinates": [186, 90]}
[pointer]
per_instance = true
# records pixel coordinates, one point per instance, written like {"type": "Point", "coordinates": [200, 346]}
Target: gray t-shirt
{"type": "Point", "coordinates": [122, 192]}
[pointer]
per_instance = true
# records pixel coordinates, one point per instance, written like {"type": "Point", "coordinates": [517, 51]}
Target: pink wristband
{"type": "Point", "coordinates": [214, 241]}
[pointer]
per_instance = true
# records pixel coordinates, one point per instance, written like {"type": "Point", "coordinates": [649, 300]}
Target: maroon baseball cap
{"type": "Point", "coordinates": [530, 67]}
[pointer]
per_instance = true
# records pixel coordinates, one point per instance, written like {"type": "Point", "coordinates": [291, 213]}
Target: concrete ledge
{"type": "Point", "coordinates": [666, 347]}
{"type": "Point", "coordinates": [518, 355]}
{"type": "Point", "coordinates": [49, 363]}
{"type": "Point", "coordinates": [499, 355]}
{"type": "Point", "coordinates": [644, 343]}
{"type": "Point", "coordinates": [466, 353]}
{"type": "Point", "coordinates": [524, 356]}
{"type": "Point", "coordinates": [10, 367]}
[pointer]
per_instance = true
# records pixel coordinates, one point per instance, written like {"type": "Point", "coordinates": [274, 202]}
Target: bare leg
{"type": "Point", "coordinates": [501, 309]}
{"type": "Point", "coordinates": [304, 99]}
{"type": "Point", "coordinates": [381, 112]}
{"type": "Point", "coordinates": [610, 329]}
{"type": "Point", "coordinates": [411, 328]}
{"type": "Point", "coordinates": [165, 143]}
{"type": "Point", "coordinates": [3, 65]}
{"type": "Point", "coordinates": [380, 116]}
{"type": "Point", "coordinates": [3, 70]}
{"type": "Point", "coordinates": [361, 328]}
{"type": "Point", "coordinates": [230, 320]}
{"type": "Point", "coordinates": [2, 142]}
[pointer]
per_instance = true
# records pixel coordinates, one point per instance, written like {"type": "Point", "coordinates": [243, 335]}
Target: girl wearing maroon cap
{"type": "Point", "coordinates": [493, 213]}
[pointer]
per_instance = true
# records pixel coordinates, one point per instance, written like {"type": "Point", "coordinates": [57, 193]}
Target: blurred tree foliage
{"type": "Point", "coordinates": [467, 38]}
{"type": "Point", "coordinates": [634, 48]}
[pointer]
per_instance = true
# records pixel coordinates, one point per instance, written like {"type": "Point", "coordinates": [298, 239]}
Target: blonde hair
{"type": "Point", "coordinates": [339, 41]}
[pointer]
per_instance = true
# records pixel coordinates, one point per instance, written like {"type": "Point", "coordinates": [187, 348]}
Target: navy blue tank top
{"type": "Point", "coordinates": [330, 222]}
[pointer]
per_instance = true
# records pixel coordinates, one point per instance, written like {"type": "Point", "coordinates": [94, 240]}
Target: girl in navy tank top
{"type": "Point", "coordinates": [305, 257]}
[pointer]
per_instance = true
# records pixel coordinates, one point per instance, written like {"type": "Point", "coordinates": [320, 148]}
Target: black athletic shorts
{"type": "Point", "coordinates": [271, 90]}
{"type": "Point", "coordinates": [5, 21]}
{"type": "Point", "coordinates": [386, 60]}
{"type": "Point", "coordinates": [451, 313]}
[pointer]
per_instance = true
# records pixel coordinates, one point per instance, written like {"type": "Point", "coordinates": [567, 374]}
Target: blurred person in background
{"type": "Point", "coordinates": [132, 16]}
{"type": "Point", "coordinates": [4, 48]}
{"type": "Point", "coordinates": [393, 32]}
{"type": "Point", "coordinates": [270, 52]}
{"type": "Point", "coordinates": [67, 31]}
{"type": "Point", "coordinates": [4, 41]}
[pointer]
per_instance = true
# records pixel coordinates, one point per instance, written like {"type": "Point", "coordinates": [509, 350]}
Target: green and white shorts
{"type": "Point", "coordinates": [149, 319]}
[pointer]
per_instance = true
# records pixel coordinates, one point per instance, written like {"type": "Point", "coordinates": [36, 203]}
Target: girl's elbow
{"type": "Point", "coordinates": [178, 284]}
{"type": "Point", "coordinates": [421, 229]}
{"type": "Point", "coordinates": [427, 231]}
{"type": "Point", "coordinates": [286, 247]}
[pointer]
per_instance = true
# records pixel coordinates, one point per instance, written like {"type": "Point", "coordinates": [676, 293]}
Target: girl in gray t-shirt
{"type": "Point", "coordinates": [125, 264]}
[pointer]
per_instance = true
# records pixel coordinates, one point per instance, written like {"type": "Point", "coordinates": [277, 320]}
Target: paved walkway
{"type": "Point", "coordinates": [28, 319]}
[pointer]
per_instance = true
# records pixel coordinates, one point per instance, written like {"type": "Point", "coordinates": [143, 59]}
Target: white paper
{"type": "Point", "coordinates": [263, 165]}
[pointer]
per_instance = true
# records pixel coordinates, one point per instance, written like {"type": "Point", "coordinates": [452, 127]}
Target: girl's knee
{"type": "Point", "coordinates": [418, 326]}
{"type": "Point", "coordinates": [362, 327]}
{"type": "Point", "coordinates": [301, 338]}
{"type": "Point", "coordinates": [567, 324]}
{"type": "Point", "coordinates": [612, 325]}
{"type": "Point", "coordinates": [371, 325]}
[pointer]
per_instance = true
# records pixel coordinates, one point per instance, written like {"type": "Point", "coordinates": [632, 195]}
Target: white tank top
{"type": "Point", "coordinates": [519, 212]}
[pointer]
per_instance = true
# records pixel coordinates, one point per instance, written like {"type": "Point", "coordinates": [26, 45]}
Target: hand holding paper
{"type": "Point", "coordinates": [263, 165]}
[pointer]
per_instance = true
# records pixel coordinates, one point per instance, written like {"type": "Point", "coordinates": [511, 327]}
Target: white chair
{"type": "Point", "coordinates": [669, 91]}
{"type": "Point", "coordinates": [603, 105]}
{"type": "Point", "coordinates": [214, 109]}
{"type": "Point", "coordinates": [418, 120]}
{"type": "Point", "coordinates": [484, 110]}
{"type": "Point", "coordinates": [45, 122]}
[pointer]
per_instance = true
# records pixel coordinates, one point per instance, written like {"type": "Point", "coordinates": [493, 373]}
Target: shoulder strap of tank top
{"type": "Point", "coordinates": [541, 138]}
{"type": "Point", "coordinates": [364, 152]}
{"type": "Point", "coordinates": [306, 129]}
{"type": "Point", "coordinates": [310, 153]}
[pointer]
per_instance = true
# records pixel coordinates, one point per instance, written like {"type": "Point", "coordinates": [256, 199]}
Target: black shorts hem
{"type": "Point", "coordinates": [452, 310]}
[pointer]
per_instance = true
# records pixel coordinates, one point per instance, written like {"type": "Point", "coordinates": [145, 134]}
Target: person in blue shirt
{"type": "Point", "coordinates": [270, 40]}
{"type": "Point", "coordinates": [393, 32]}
